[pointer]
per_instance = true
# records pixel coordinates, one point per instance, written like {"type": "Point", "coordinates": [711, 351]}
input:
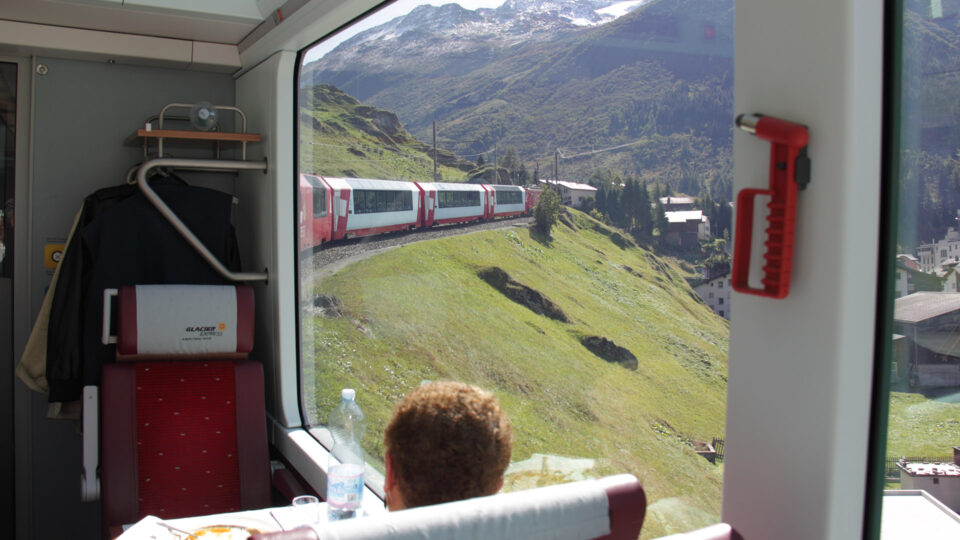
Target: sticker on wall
{"type": "Point", "coordinates": [52, 253]}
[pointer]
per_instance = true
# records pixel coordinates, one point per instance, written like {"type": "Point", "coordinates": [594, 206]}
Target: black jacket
{"type": "Point", "coordinates": [122, 239]}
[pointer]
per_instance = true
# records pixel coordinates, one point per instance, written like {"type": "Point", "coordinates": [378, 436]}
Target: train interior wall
{"type": "Point", "coordinates": [83, 114]}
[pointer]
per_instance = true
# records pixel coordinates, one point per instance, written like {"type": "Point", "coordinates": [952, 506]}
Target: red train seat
{"type": "Point", "coordinates": [610, 508]}
{"type": "Point", "coordinates": [718, 531]}
{"type": "Point", "coordinates": [182, 422]}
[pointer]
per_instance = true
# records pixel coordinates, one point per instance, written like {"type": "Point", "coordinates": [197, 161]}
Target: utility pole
{"type": "Point", "coordinates": [435, 151]}
{"type": "Point", "coordinates": [556, 165]}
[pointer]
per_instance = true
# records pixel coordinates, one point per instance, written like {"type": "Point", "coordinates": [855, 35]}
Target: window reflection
{"type": "Point", "coordinates": [924, 398]}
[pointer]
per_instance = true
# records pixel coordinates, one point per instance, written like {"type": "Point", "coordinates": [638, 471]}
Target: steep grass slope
{"type": "Point", "coordinates": [420, 312]}
{"type": "Point", "coordinates": [341, 137]}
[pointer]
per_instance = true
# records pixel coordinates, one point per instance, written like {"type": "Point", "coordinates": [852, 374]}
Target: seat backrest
{"type": "Point", "coordinates": [182, 437]}
{"type": "Point", "coordinates": [718, 531]}
{"type": "Point", "coordinates": [610, 508]}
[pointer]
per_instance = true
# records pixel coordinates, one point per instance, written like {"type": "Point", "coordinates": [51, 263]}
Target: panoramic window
{"type": "Point", "coordinates": [923, 428]}
{"type": "Point", "coordinates": [532, 197]}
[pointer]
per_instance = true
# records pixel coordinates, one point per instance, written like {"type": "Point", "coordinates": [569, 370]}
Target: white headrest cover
{"type": "Point", "coordinates": [186, 319]}
{"type": "Point", "coordinates": [575, 511]}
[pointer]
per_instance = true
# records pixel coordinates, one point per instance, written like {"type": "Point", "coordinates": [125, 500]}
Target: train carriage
{"type": "Point", "coordinates": [508, 200]}
{"type": "Point", "coordinates": [315, 215]}
{"type": "Point", "coordinates": [365, 207]}
{"type": "Point", "coordinates": [533, 195]}
{"type": "Point", "coordinates": [453, 203]}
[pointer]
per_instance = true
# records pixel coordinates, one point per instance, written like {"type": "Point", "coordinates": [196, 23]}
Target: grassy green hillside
{"type": "Point", "coordinates": [420, 312]}
{"type": "Point", "coordinates": [920, 426]}
{"type": "Point", "coordinates": [339, 136]}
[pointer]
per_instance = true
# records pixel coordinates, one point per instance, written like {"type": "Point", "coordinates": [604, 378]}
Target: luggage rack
{"type": "Point", "coordinates": [160, 134]}
{"type": "Point", "coordinates": [194, 164]}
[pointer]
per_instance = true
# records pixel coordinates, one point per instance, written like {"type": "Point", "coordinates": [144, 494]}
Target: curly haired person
{"type": "Point", "coordinates": [447, 441]}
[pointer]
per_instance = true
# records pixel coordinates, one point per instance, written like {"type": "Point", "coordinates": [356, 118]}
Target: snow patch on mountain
{"type": "Point", "coordinates": [452, 27]}
{"type": "Point", "coordinates": [622, 8]}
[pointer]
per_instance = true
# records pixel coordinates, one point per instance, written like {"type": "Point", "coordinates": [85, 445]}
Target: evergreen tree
{"type": "Point", "coordinates": [480, 161]}
{"type": "Point", "coordinates": [645, 212]}
{"type": "Point", "coordinates": [663, 226]}
{"type": "Point", "coordinates": [522, 176]}
{"type": "Point", "coordinates": [613, 205]}
{"type": "Point", "coordinates": [628, 204]}
{"type": "Point", "coordinates": [546, 211]}
{"type": "Point", "coordinates": [602, 200]}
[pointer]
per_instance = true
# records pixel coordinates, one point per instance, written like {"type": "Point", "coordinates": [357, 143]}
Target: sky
{"type": "Point", "coordinates": [394, 10]}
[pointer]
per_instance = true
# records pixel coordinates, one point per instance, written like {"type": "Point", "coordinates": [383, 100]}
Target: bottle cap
{"type": "Point", "coordinates": [348, 394]}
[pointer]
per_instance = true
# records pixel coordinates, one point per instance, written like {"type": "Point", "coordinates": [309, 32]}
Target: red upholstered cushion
{"type": "Point", "coordinates": [186, 438]}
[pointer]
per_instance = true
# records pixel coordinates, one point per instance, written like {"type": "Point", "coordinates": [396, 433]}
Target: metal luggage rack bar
{"type": "Point", "coordinates": [160, 133]}
{"type": "Point", "coordinates": [198, 165]}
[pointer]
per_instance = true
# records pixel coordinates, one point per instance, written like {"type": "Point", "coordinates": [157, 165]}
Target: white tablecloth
{"type": "Point", "coordinates": [265, 520]}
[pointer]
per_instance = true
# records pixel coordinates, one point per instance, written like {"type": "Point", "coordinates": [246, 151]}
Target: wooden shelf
{"type": "Point", "coordinates": [198, 135]}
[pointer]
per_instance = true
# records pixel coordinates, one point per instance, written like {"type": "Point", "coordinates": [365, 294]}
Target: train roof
{"type": "Point", "coordinates": [451, 186]}
{"type": "Point", "coordinates": [367, 183]}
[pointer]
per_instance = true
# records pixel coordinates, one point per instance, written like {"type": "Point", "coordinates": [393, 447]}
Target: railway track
{"type": "Point", "coordinates": [330, 259]}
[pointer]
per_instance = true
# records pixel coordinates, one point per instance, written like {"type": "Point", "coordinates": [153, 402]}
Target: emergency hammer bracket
{"type": "Point", "coordinates": [789, 172]}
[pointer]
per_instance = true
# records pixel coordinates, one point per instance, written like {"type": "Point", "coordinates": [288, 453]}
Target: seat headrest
{"type": "Point", "coordinates": [577, 510]}
{"type": "Point", "coordinates": [185, 320]}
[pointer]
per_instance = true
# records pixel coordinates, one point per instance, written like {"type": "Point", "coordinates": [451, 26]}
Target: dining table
{"type": "Point", "coordinates": [227, 526]}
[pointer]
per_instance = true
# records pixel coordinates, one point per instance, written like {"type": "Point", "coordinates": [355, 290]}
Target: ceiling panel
{"type": "Point", "coordinates": [217, 21]}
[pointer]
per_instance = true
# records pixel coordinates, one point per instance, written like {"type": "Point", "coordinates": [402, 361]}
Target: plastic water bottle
{"type": "Point", "coordinates": [345, 469]}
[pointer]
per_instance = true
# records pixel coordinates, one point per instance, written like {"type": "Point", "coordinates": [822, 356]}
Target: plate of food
{"type": "Point", "coordinates": [225, 527]}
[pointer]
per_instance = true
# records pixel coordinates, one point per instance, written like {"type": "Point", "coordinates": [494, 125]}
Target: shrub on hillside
{"type": "Point", "coordinates": [546, 211]}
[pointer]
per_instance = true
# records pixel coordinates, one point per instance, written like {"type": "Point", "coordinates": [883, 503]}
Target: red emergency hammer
{"type": "Point", "coordinates": [789, 170]}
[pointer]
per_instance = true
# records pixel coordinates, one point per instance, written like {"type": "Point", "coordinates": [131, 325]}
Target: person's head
{"type": "Point", "coordinates": [447, 441]}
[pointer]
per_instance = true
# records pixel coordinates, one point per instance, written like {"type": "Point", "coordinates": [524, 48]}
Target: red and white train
{"type": "Point", "coordinates": [337, 208]}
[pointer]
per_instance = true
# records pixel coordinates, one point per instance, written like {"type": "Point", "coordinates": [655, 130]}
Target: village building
{"type": "Point", "coordinates": [677, 204]}
{"type": "Point", "coordinates": [934, 255]}
{"type": "Point", "coordinates": [940, 480]}
{"type": "Point", "coordinates": [572, 193]}
{"type": "Point", "coordinates": [687, 228]}
{"type": "Point", "coordinates": [715, 293]}
{"type": "Point", "coordinates": [929, 320]}
{"type": "Point", "coordinates": [909, 261]}
{"type": "Point", "coordinates": [910, 280]}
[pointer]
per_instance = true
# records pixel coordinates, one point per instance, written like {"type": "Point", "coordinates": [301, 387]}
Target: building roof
{"type": "Point", "coordinates": [570, 185]}
{"type": "Point", "coordinates": [684, 216]}
{"type": "Point", "coordinates": [915, 513]}
{"type": "Point", "coordinates": [907, 256]}
{"type": "Point", "coordinates": [929, 469]}
{"type": "Point", "coordinates": [677, 200]}
{"type": "Point", "coordinates": [921, 306]}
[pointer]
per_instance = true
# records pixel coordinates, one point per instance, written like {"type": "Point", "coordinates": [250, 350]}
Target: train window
{"type": "Point", "coordinates": [509, 197]}
{"type": "Point", "coordinates": [584, 321]}
{"type": "Point", "coordinates": [319, 202]}
{"type": "Point", "coordinates": [458, 199]}
{"type": "Point", "coordinates": [917, 379]}
{"type": "Point", "coordinates": [367, 201]}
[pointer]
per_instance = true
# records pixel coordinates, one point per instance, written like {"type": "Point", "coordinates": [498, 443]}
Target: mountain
{"type": "Point", "coordinates": [536, 76]}
{"type": "Point", "coordinates": [342, 137]}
